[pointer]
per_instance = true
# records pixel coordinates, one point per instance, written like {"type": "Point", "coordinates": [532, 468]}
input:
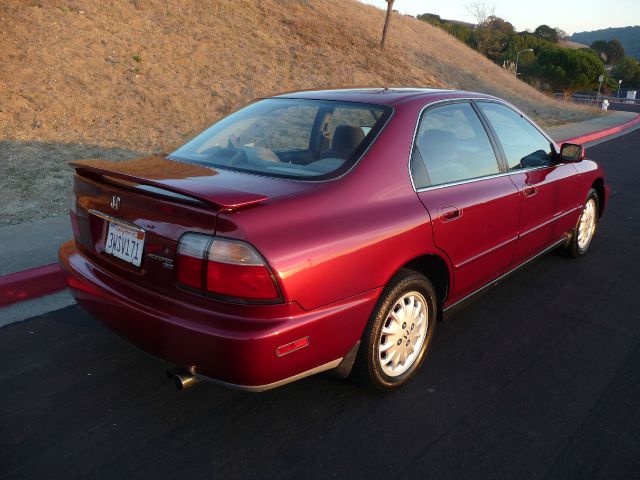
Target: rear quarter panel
{"type": "Point", "coordinates": [351, 234]}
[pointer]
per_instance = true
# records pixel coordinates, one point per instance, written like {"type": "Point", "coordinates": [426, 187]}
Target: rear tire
{"type": "Point", "coordinates": [399, 332]}
{"type": "Point", "coordinates": [582, 234]}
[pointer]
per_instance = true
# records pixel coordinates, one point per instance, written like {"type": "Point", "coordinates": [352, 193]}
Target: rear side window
{"type": "Point", "coordinates": [290, 138]}
{"type": "Point", "coordinates": [453, 146]}
{"type": "Point", "coordinates": [523, 145]}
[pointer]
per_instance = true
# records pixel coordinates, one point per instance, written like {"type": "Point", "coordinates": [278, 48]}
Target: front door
{"type": "Point", "coordinates": [548, 190]}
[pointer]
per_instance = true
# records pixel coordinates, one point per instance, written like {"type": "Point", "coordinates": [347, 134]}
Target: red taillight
{"type": "Point", "coordinates": [191, 259]}
{"type": "Point", "coordinates": [228, 268]}
{"type": "Point", "coordinates": [235, 269]}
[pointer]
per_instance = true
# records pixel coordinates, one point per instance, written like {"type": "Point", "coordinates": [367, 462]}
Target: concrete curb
{"type": "Point", "coordinates": [32, 283]}
{"type": "Point", "coordinates": [48, 279]}
{"type": "Point", "coordinates": [590, 137]}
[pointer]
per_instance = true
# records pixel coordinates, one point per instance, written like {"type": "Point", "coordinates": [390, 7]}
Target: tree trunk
{"type": "Point", "coordinates": [387, 21]}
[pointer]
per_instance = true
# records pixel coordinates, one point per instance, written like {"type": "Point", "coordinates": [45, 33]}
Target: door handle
{"type": "Point", "coordinates": [529, 191]}
{"type": "Point", "coordinates": [448, 214]}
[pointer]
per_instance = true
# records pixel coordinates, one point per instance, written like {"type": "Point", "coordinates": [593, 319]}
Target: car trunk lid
{"type": "Point", "coordinates": [160, 199]}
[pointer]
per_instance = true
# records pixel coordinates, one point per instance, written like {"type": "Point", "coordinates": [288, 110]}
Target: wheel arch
{"type": "Point", "coordinates": [437, 270]}
{"type": "Point", "coordinates": [598, 186]}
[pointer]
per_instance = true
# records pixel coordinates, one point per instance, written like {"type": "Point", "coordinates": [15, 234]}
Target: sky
{"type": "Point", "coordinates": [569, 15]}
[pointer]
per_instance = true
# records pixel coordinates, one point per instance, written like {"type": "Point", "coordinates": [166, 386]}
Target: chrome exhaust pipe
{"type": "Point", "coordinates": [182, 378]}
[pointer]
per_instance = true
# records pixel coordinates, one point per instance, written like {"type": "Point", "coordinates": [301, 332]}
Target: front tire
{"type": "Point", "coordinates": [399, 332]}
{"type": "Point", "coordinates": [584, 231]}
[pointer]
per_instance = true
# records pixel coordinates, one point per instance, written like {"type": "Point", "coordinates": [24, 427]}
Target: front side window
{"type": "Point", "coordinates": [291, 138]}
{"type": "Point", "coordinates": [453, 146]}
{"type": "Point", "coordinates": [523, 144]}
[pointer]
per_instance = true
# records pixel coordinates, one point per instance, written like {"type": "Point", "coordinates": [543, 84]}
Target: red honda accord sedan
{"type": "Point", "coordinates": [325, 230]}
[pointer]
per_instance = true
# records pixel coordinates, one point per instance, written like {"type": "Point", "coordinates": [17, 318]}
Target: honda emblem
{"type": "Point", "coordinates": [115, 202]}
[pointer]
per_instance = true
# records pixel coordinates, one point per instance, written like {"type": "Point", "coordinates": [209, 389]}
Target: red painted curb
{"type": "Point", "coordinates": [32, 283]}
{"type": "Point", "coordinates": [590, 137]}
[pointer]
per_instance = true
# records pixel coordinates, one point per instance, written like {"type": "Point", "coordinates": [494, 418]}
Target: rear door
{"type": "Point", "coordinates": [548, 190]}
{"type": "Point", "coordinates": [473, 205]}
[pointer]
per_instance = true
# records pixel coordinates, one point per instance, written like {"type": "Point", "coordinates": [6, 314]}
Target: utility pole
{"type": "Point", "coordinates": [387, 21]}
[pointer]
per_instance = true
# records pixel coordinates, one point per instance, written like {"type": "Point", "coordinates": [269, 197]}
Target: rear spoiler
{"type": "Point", "coordinates": [219, 197]}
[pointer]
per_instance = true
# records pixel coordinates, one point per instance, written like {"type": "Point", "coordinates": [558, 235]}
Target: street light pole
{"type": "Point", "coordinates": [518, 55]}
{"type": "Point", "coordinates": [619, 85]}
{"type": "Point", "coordinates": [600, 79]}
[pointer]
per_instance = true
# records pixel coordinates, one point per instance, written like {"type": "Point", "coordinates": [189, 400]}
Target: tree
{"type": "Point", "coordinates": [561, 33]}
{"type": "Point", "coordinates": [431, 18]}
{"type": "Point", "coordinates": [497, 24]}
{"type": "Point", "coordinates": [600, 46]}
{"type": "Point", "coordinates": [569, 70]}
{"type": "Point", "coordinates": [387, 21]}
{"type": "Point", "coordinates": [615, 51]}
{"type": "Point", "coordinates": [461, 32]}
{"type": "Point", "coordinates": [491, 34]}
{"type": "Point", "coordinates": [497, 36]}
{"type": "Point", "coordinates": [546, 33]}
{"type": "Point", "coordinates": [628, 70]}
{"type": "Point", "coordinates": [481, 12]}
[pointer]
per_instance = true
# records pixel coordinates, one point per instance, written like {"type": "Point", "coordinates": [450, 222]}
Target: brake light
{"type": "Point", "coordinates": [224, 267]}
{"type": "Point", "coordinates": [235, 269]}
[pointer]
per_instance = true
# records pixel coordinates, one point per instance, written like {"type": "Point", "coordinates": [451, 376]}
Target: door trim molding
{"type": "Point", "coordinates": [489, 251]}
{"type": "Point", "coordinates": [450, 310]}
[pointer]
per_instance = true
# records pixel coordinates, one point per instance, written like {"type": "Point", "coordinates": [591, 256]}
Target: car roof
{"type": "Point", "coordinates": [381, 96]}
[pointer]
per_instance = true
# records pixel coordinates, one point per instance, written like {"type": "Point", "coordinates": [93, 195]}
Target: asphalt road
{"type": "Point", "coordinates": [540, 378]}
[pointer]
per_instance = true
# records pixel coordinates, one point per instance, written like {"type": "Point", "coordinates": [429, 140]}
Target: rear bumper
{"type": "Point", "coordinates": [234, 349]}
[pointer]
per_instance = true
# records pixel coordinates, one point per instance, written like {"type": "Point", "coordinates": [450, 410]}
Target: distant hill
{"type": "Point", "coordinates": [628, 36]}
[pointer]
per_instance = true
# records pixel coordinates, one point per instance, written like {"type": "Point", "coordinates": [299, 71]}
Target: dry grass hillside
{"type": "Point", "coordinates": [569, 44]}
{"type": "Point", "coordinates": [141, 73]}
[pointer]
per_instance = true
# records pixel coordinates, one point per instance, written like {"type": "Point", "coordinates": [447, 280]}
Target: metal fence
{"type": "Point", "coordinates": [593, 99]}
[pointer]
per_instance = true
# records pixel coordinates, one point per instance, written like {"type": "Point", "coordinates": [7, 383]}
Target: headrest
{"type": "Point", "coordinates": [347, 137]}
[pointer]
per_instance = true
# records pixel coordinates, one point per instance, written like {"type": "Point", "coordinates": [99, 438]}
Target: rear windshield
{"type": "Point", "coordinates": [291, 138]}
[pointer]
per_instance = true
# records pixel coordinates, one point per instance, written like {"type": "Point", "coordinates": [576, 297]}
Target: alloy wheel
{"type": "Point", "coordinates": [587, 225]}
{"type": "Point", "coordinates": [403, 334]}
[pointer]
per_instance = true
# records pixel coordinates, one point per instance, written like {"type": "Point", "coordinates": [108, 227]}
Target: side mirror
{"type": "Point", "coordinates": [571, 153]}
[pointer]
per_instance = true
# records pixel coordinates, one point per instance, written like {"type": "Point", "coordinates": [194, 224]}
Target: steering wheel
{"type": "Point", "coordinates": [239, 157]}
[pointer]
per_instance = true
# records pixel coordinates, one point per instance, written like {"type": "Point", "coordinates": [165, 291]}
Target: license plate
{"type": "Point", "coordinates": [125, 243]}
